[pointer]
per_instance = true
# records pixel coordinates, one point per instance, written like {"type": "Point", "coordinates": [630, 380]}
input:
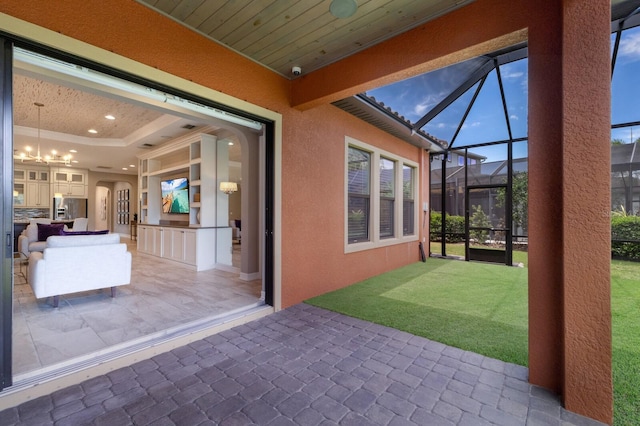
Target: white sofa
{"type": "Point", "coordinates": [28, 239]}
{"type": "Point", "coordinates": [71, 264]}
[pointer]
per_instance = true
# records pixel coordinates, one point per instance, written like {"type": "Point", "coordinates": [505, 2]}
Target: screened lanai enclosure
{"type": "Point", "coordinates": [476, 111]}
{"type": "Point", "coordinates": [473, 114]}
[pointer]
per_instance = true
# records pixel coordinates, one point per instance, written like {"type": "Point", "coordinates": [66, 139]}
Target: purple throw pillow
{"type": "Point", "coordinates": [45, 230]}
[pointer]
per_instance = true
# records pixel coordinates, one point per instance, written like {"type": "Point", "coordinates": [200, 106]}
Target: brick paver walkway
{"type": "Point", "coordinates": [305, 366]}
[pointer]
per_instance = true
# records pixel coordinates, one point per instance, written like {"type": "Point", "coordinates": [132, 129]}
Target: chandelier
{"type": "Point", "coordinates": [53, 157]}
{"type": "Point", "coordinates": [228, 187]}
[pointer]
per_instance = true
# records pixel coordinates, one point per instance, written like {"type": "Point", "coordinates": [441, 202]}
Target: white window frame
{"type": "Point", "coordinates": [374, 217]}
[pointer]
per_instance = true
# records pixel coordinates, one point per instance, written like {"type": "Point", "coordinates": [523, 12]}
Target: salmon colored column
{"type": "Point", "coordinates": [569, 203]}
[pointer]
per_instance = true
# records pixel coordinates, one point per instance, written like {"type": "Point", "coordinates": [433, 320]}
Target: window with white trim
{"type": "Point", "coordinates": [408, 203]}
{"type": "Point", "coordinates": [380, 196]}
{"type": "Point", "coordinates": [387, 197]}
{"type": "Point", "coordinates": [358, 187]}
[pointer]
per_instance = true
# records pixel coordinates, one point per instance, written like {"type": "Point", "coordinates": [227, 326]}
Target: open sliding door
{"type": "Point", "coordinates": [6, 139]}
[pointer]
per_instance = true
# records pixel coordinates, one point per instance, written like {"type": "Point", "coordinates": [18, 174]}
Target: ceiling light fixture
{"type": "Point", "coordinates": [342, 9]}
{"type": "Point", "coordinates": [109, 117]}
{"type": "Point", "coordinates": [228, 187]}
{"type": "Point", "coordinates": [48, 158]}
{"type": "Point", "coordinates": [93, 131]}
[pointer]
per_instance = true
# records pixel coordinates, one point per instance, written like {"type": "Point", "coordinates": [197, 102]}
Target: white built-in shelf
{"type": "Point", "coordinates": [177, 168]}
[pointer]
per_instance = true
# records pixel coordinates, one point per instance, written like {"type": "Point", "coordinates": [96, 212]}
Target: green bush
{"type": "Point", "coordinates": [454, 227]}
{"type": "Point", "coordinates": [625, 237]}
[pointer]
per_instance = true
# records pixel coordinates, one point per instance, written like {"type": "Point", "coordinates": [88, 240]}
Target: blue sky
{"type": "Point", "coordinates": [412, 98]}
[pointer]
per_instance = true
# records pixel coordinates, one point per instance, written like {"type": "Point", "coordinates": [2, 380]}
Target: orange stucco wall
{"type": "Point", "coordinates": [313, 261]}
{"type": "Point", "coordinates": [570, 315]}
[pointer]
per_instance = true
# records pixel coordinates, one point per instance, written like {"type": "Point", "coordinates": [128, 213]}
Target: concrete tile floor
{"type": "Point", "coordinates": [161, 295]}
{"type": "Point", "coordinates": [305, 366]}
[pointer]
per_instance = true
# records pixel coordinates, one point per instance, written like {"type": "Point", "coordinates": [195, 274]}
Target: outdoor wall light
{"type": "Point", "coordinates": [228, 187]}
{"type": "Point", "coordinates": [343, 8]}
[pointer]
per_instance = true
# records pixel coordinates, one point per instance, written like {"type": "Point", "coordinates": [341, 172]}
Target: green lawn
{"type": "Point", "coordinates": [482, 307]}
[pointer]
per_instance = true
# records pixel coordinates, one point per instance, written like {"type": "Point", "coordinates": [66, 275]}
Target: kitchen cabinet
{"type": "Point", "coordinates": [19, 189]}
{"type": "Point", "coordinates": [38, 175]}
{"type": "Point", "coordinates": [31, 187]}
{"type": "Point", "coordinates": [38, 194]}
{"type": "Point", "coordinates": [69, 182]}
{"type": "Point", "coordinates": [19, 174]}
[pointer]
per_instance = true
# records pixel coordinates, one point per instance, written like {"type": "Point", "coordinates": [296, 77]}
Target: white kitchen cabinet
{"type": "Point", "coordinates": [19, 194]}
{"type": "Point", "coordinates": [38, 175]}
{"type": "Point", "coordinates": [19, 174]}
{"type": "Point", "coordinates": [38, 195]}
{"type": "Point", "coordinates": [70, 182]}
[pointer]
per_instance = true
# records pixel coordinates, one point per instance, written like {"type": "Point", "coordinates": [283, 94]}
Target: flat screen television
{"type": "Point", "coordinates": [175, 195]}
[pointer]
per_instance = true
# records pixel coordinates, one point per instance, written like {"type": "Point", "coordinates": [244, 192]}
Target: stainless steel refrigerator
{"type": "Point", "coordinates": [69, 208]}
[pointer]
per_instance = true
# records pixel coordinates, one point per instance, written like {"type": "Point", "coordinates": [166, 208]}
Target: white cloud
{"type": "Point", "coordinates": [514, 117]}
{"type": "Point", "coordinates": [508, 74]}
{"type": "Point", "coordinates": [441, 125]}
{"type": "Point", "coordinates": [476, 124]}
{"type": "Point", "coordinates": [630, 47]}
{"type": "Point", "coordinates": [420, 109]}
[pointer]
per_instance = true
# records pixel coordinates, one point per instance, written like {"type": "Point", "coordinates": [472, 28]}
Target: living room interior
{"type": "Point", "coordinates": [105, 129]}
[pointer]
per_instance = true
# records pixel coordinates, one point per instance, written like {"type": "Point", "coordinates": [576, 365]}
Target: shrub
{"type": "Point", "coordinates": [625, 237]}
{"type": "Point", "coordinates": [454, 227]}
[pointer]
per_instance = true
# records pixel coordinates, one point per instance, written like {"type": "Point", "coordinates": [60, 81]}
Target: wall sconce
{"type": "Point", "coordinates": [228, 187]}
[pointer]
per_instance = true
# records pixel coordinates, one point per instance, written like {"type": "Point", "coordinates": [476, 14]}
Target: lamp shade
{"type": "Point", "coordinates": [228, 187]}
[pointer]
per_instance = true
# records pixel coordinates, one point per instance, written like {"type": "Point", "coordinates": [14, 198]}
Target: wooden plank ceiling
{"type": "Point", "coordinates": [281, 34]}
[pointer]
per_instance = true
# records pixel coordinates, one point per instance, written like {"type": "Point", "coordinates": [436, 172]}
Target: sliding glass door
{"type": "Point", "coordinates": [6, 291]}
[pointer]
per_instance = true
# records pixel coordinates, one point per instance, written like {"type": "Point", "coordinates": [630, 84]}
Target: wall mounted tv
{"type": "Point", "coordinates": [175, 195]}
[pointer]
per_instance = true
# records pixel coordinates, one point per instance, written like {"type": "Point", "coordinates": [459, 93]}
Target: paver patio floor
{"type": "Point", "coordinates": [307, 366]}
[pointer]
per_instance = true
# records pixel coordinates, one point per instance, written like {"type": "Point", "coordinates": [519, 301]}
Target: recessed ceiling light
{"type": "Point", "coordinates": [109, 117]}
{"type": "Point", "coordinates": [132, 165]}
{"type": "Point", "coordinates": [74, 161]}
{"type": "Point", "coordinates": [230, 143]}
{"type": "Point", "coordinates": [73, 150]}
{"type": "Point", "coordinates": [94, 131]}
{"type": "Point", "coordinates": [124, 168]}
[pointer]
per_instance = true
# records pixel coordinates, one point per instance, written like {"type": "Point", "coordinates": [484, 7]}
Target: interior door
{"type": "Point", "coordinates": [6, 266]}
{"type": "Point", "coordinates": [488, 234]}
